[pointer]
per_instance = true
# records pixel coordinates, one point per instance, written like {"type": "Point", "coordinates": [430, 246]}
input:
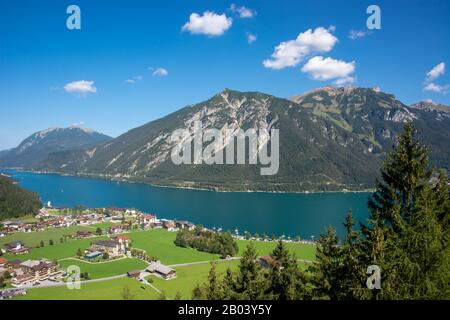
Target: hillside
{"type": "Point", "coordinates": [40, 145]}
{"type": "Point", "coordinates": [16, 201]}
{"type": "Point", "coordinates": [330, 139]}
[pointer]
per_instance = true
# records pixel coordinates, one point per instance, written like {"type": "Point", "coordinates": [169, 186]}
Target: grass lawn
{"type": "Point", "coordinates": [57, 251]}
{"type": "Point", "coordinates": [106, 269]}
{"type": "Point", "coordinates": [301, 250]}
{"type": "Point", "coordinates": [103, 225]}
{"type": "Point", "coordinates": [159, 243]}
{"type": "Point", "coordinates": [188, 277]}
{"type": "Point", "coordinates": [32, 239]}
{"type": "Point", "coordinates": [105, 290]}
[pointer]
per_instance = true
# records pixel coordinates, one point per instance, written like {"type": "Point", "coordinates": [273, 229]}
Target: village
{"type": "Point", "coordinates": [32, 273]}
{"type": "Point", "coordinates": [107, 235]}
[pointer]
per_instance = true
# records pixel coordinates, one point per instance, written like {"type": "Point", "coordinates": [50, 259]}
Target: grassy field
{"type": "Point", "coordinates": [105, 290]}
{"type": "Point", "coordinates": [103, 225]}
{"type": "Point", "coordinates": [106, 269]}
{"type": "Point", "coordinates": [32, 239]}
{"type": "Point", "coordinates": [159, 243]}
{"type": "Point", "coordinates": [188, 277]}
{"type": "Point", "coordinates": [57, 251]}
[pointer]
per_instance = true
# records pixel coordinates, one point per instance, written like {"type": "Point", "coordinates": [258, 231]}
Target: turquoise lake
{"type": "Point", "coordinates": [290, 214]}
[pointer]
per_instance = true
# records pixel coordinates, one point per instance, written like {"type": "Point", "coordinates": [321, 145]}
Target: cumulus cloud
{"type": "Point", "coordinates": [433, 74]}
{"type": "Point", "coordinates": [159, 72]}
{"type": "Point", "coordinates": [209, 23]}
{"type": "Point", "coordinates": [320, 68]}
{"type": "Point", "coordinates": [244, 13]}
{"type": "Point", "coordinates": [291, 53]}
{"type": "Point", "coordinates": [357, 34]}
{"type": "Point", "coordinates": [436, 72]}
{"type": "Point", "coordinates": [81, 87]}
{"type": "Point", "coordinates": [437, 88]}
{"type": "Point", "coordinates": [251, 37]}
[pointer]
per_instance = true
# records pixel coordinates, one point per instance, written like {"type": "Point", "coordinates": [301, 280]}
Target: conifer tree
{"type": "Point", "coordinates": [285, 278]}
{"type": "Point", "coordinates": [250, 282]}
{"type": "Point", "coordinates": [213, 288]}
{"type": "Point", "coordinates": [326, 268]}
{"type": "Point", "coordinates": [407, 233]}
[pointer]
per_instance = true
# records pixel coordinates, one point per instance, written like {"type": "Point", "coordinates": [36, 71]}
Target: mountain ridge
{"type": "Point", "coordinates": [331, 139]}
{"type": "Point", "coordinates": [39, 145]}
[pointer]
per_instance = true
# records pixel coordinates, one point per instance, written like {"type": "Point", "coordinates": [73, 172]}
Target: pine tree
{"type": "Point", "coordinates": [326, 268]}
{"type": "Point", "coordinates": [351, 272]}
{"type": "Point", "coordinates": [213, 288]}
{"type": "Point", "coordinates": [229, 285]}
{"type": "Point", "coordinates": [285, 278]}
{"type": "Point", "coordinates": [250, 282]}
{"type": "Point", "coordinates": [407, 233]}
{"type": "Point", "coordinates": [197, 293]}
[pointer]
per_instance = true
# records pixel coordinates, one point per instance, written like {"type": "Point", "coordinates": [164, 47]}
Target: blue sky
{"type": "Point", "coordinates": [42, 62]}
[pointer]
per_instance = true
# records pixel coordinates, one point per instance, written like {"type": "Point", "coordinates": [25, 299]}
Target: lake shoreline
{"type": "Point", "coordinates": [124, 180]}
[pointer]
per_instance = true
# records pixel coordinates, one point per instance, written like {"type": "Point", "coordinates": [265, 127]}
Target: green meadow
{"type": "Point", "coordinates": [158, 243]}
{"type": "Point", "coordinates": [105, 290]}
{"type": "Point", "coordinates": [188, 277]}
{"type": "Point", "coordinates": [32, 239]}
{"type": "Point", "coordinates": [106, 269]}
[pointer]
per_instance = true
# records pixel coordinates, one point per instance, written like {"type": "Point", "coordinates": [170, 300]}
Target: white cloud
{"type": "Point", "coordinates": [159, 72]}
{"type": "Point", "coordinates": [432, 75]}
{"type": "Point", "coordinates": [81, 87]}
{"type": "Point", "coordinates": [437, 88]}
{"type": "Point", "coordinates": [322, 69]}
{"type": "Point", "coordinates": [243, 11]}
{"type": "Point", "coordinates": [291, 53]}
{"type": "Point", "coordinates": [251, 37]}
{"type": "Point", "coordinates": [209, 23]}
{"type": "Point", "coordinates": [435, 72]}
{"type": "Point", "coordinates": [357, 34]}
{"type": "Point", "coordinates": [134, 79]}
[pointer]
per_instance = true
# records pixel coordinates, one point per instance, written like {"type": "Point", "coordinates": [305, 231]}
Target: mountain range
{"type": "Point", "coordinates": [40, 145]}
{"type": "Point", "coordinates": [331, 139]}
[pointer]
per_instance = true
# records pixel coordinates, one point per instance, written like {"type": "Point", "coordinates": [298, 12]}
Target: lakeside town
{"type": "Point", "coordinates": [107, 230]}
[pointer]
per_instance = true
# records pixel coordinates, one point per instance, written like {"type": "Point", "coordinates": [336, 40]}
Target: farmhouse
{"type": "Point", "coordinates": [124, 241]}
{"type": "Point", "coordinates": [112, 247]}
{"type": "Point", "coordinates": [161, 270]}
{"type": "Point", "coordinates": [147, 219]}
{"type": "Point", "coordinates": [17, 247]}
{"type": "Point", "coordinates": [3, 262]}
{"type": "Point", "coordinates": [169, 226]}
{"type": "Point", "coordinates": [118, 229]}
{"type": "Point", "coordinates": [134, 274]}
{"type": "Point", "coordinates": [83, 234]}
{"type": "Point", "coordinates": [13, 264]}
{"type": "Point", "coordinates": [184, 225]}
